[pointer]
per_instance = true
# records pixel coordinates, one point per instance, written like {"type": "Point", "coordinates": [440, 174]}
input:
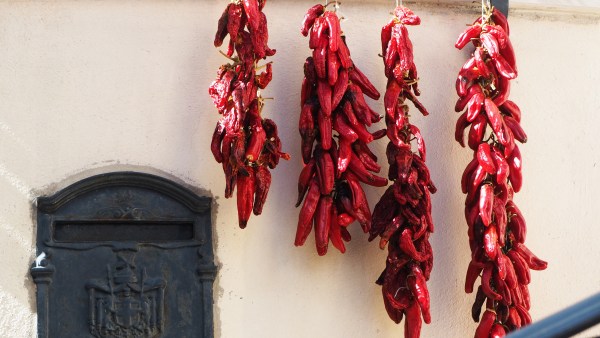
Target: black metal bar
{"type": "Point", "coordinates": [502, 6]}
{"type": "Point", "coordinates": [565, 323]}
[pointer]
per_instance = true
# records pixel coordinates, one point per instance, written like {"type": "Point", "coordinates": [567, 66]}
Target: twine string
{"type": "Point", "coordinates": [482, 11]}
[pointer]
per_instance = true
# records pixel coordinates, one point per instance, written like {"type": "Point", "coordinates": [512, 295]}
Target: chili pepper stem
{"type": "Point", "coordinates": [236, 60]}
{"type": "Point", "coordinates": [263, 66]}
{"type": "Point", "coordinates": [491, 138]}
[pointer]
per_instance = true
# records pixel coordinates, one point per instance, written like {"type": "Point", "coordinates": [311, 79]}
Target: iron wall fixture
{"type": "Point", "coordinates": [124, 255]}
{"type": "Point", "coordinates": [502, 6]}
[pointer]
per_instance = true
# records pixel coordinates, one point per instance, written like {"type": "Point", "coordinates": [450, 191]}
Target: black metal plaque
{"type": "Point", "coordinates": [124, 255]}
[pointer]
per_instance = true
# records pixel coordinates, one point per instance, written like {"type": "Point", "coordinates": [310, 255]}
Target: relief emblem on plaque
{"type": "Point", "coordinates": [126, 303]}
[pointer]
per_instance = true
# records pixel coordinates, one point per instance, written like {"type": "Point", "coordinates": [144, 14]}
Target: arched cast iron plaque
{"type": "Point", "coordinates": [125, 255]}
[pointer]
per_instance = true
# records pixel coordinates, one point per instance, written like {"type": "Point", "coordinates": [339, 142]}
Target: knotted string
{"type": "Point", "coordinates": [486, 5]}
{"type": "Point", "coordinates": [482, 11]}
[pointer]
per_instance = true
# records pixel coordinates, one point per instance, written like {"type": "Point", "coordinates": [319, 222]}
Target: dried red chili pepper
{"type": "Point", "coordinates": [485, 325]}
{"type": "Point", "coordinates": [222, 27]}
{"type": "Point", "coordinates": [470, 33]}
{"type": "Point", "coordinates": [245, 196]}
{"type": "Point", "coordinates": [418, 286]}
{"type": "Point", "coordinates": [412, 324]}
{"type": "Point", "coordinates": [313, 13]}
{"type": "Point", "coordinates": [246, 144]}
{"type": "Point", "coordinates": [496, 226]}
{"type": "Point", "coordinates": [486, 202]}
{"type": "Point", "coordinates": [335, 231]}
{"type": "Point", "coordinates": [305, 219]}
{"type": "Point", "coordinates": [333, 107]}
{"type": "Point", "coordinates": [262, 183]}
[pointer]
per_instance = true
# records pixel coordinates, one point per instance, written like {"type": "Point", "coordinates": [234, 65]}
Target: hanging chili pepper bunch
{"type": "Point", "coordinates": [402, 217]}
{"type": "Point", "coordinates": [246, 144]}
{"type": "Point", "coordinates": [333, 107]}
{"type": "Point", "coordinates": [496, 226]}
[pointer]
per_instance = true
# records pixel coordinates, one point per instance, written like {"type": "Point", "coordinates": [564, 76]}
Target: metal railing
{"type": "Point", "coordinates": [565, 323]}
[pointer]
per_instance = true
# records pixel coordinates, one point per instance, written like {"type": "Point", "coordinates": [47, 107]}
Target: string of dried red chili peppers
{"type": "Point", "coordinates": [402, 217]}
{"type": "Point", "coordinates": [246, 144]}
{"type": "Point", "coordinates": [496, 226]}
{"type": "Point", "coordinates": [332, 101]}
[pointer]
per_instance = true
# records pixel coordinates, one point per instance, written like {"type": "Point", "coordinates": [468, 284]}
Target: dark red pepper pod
{"type": "Point", "coordinates": [402, 217]}
{"type": "Point", "coordinates": [496, 226]}
{"type": "Point", "coordinates": [485, 324]}
{"type": "Point", "coordinates": [333, 125]}
{"type": "Point", "coordinates": [246, 144]}
{"type": "Point", "coordinates": [412, 325]}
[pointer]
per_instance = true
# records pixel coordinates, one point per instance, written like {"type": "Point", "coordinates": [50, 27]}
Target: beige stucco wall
{"type": "Point", "coordinates": [89, 87]}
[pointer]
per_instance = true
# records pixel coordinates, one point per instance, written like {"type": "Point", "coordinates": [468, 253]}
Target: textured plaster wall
{"type": "Point", "coordinates": [89, 87]}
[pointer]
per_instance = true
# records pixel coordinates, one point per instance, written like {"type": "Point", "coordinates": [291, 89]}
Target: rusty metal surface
{"type": "Point", "coordinates": [124, 255]}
